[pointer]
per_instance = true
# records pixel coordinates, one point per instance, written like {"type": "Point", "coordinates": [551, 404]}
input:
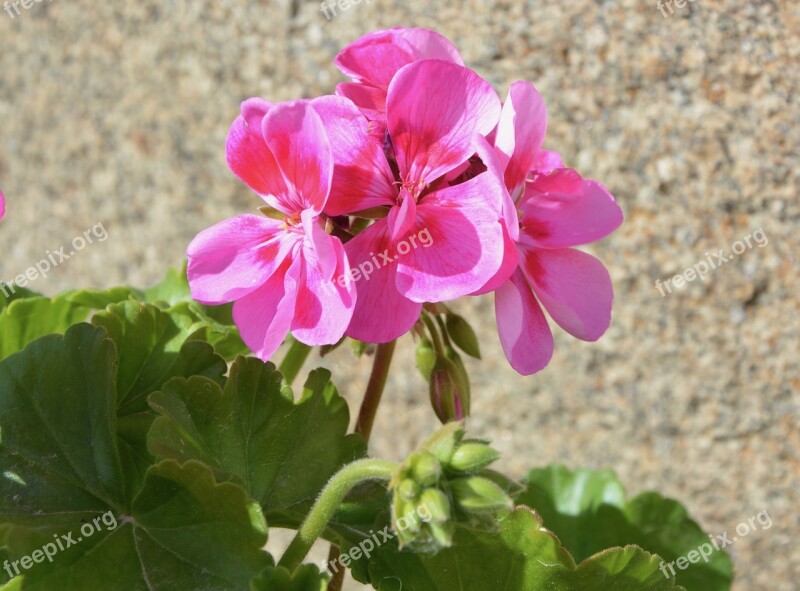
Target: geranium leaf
{"type": "Point", "coordinates": [253, 432]}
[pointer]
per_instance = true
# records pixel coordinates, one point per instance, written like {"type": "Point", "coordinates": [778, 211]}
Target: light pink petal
{"type": "Point", "coordinates": [556, 220]}
{"type": "Point", "coordinates": [574, 287]}
{"type": "Point", "coordinates": [265, 315]}
{"type": "Point", "coordinates": [235, 257]}
{"type": "Point", "coordinates": [521, 131]}
{"type": "Point", "coordinates": [375, 58]}
{"type": "Point", "coordinates": [510, 262]}
{"type": "Point", "coordinates": [381, 314]}
{"type": "Point", "coordinates": [362, 178]}
{"type": "Point", "coordinates": [428, 44]}
{"type": "Point", "coordinates": [491, 159]}
{"type": "Point", "coordinates": [524, 333]}
{"type": "Point", "coordinates": [434, 109]}
{"type": "Point", "coordinates": [465, 242]}
{"type": "Point", "coordinates": [251, 160]}
{"type": "Point", "coordinates": [296, 137]}
{"type": "Point", "coordinates": [402, 218]}
{"type": "Point", "coordinates": [560, 180]}
{"type": "Point", "coordinates": [324, 302]}
{"type": "Point", "coordinates": [547, 160]}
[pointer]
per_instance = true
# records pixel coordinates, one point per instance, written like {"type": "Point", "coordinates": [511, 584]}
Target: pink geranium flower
{"type": "Point", "coordinates": [281, 273]}
{"type": "Point", "coordinates": [374, 59]}
{"type": "Point", "coordinates": [551, 210]}
{"type": "Point", "coordinates": [437, 114]}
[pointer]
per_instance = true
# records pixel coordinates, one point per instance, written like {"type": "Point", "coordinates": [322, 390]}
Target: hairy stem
{"type": "Point", "coordinates": [328, 503]}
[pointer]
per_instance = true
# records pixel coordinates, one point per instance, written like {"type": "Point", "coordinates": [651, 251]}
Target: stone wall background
{"type": "Point", "coordinates": [116, 113]}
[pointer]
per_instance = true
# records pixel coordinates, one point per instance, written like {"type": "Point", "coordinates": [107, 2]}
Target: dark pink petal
{"type": "Point", "coordinates": [556, 220]}
{"type": "Point", "coordinates": [265, 315]}
{"type": "Point", "coordinates": [235, 257]}
{"type": "Point", "coordinates": [521, 131]}
{"type": "Point", "coordinates": [574, 287]}
{"type": "Point", "coordinates": [295, 135]}
{"type": "Point", "coordinates": [523, 329]}
{"type": "Point", "coordinates": [434, 109]}
{"type": "Point", "coordinates": [381, 314]}
{"type": "Point", "coordinates": [362, 178]}
{"type": "Point", "coordinates": [325, 302]}
{"type": "Point", "coordinates": [251, 160]}
{"type": "Point", "coordinates": [464, 242]}
{"type": "Point", "coordinates": [375, 58]}
{"type": "Point", "coordinates": [428, 44]}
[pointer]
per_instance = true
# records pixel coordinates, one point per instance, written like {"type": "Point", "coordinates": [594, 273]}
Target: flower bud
{"type": "Point", "coordinates": [475, 494]}
{"type": "Point", "coordinates": [434, 506]}
{"type": "Point", "coordinates": [472, 456]}
{"type": "Point", "coordinates": [448, 396]}
{"type": "Point", "coordinates": [463, 336]}
{"type": "Point", "coordinates": [426, 358]}
{"type": "Point", "coordinates": [408, 489]}
{"type": "Point", "coordinates": [442, 533]}
{"type": "Point", "coordinates": [426, 469]}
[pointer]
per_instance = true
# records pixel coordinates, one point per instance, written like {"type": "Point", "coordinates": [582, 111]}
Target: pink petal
{"type": "Point", "coordinates": [428, 44]}
{"type": "Point", "coordinates": [362, 178]}
{"type": "Point", "coordinates": [521, 131]}
{"type": "Point", "coordinates": [324, 303]}
{"type": "Point", "coordinates": [375, 58]}
{"type": "Point", "coordinates": [556, 220]}
{"type": "Point", "coordinates": [250, 160]}
{"type": "Point", "coordinates": [254, 110]}
{"type": "Point", "coordinates": [523, 329]}
{"type": "Point", "coordinates": [508, 208]}
{"type": "Point", "coordinates": [465, 242]}
{"type": "Point", "coordinates": [296, 137]}
{"type": "Point", "coordinates": [381, 314]}
{"type": "Point", "coordinates": [574, 288]}
{"type": "Point", "coordinates": [561, 180]}
{"type": "Point", "coordinates": [547, 160]}
{"type": "Point", "coordinates": [265, 315]}
{"type": "Point", "coordinates": [371, 100]}
{"type": "Point", "coordinates": [434, 109]}
{"type": "Point", "coordinates": [510, 262]}
{"type": "Point", "coordinates": [401, 219]}
{"type": "Point", "coordinates": [235, 257]}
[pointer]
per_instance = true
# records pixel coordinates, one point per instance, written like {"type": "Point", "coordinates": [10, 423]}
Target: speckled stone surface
{"type": "Point", "coordinates": [116, 114]}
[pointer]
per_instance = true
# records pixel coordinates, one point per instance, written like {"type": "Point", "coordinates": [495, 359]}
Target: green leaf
{"type": "Point", "coordinates": [588, 512]}
{"type": "Point", "coordinates": [253, 432]}
{"type": "Point", "coordinates": [58, 455]}
{"type": "Point", "coordinates": [306, 578]}
{"type": "Point", "coordinates": [26, 316]}
{"type": "Point", "coordinates": [184, 531]}
{"type": "Point", "coordinates": [519, 556]}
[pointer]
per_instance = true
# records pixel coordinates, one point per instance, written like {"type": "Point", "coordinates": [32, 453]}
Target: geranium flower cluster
{"type": "Point", "coordinates": [413, 184]}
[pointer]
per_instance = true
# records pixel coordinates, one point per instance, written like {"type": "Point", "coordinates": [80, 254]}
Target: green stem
{"type": "Point", "coordinates": [437, 342]}
{"type": "Point", "coordinates": [375, 387]}
{"type": "Point", "coordinates": [328, 503]}
{"type": "Point", "coordinates": [294, 360]}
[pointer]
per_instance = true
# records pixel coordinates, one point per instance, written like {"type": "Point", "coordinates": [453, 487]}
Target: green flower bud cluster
{"type": "Point", "coordinates": [444, 483]}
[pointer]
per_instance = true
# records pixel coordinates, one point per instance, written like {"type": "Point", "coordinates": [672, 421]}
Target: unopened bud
{"type": "Point", "coordinates": [442, 533]}
{"type": "Point", "coordinates": [475, 494]}
{"type": "Point", "coordinates": [434, 506]}
{"type": "Point", "coordinates": [408, 489]}
{"type": "Point", "coordinates": [426, 469]}
{"type": "Point", "coordinates": [449, 398]}
{"type": "Point", "coordinates": [426, 358]}
{"type": "Point", "coordinates": [463, 336]}
{"type": "Point", "coordinates": [472, 456]}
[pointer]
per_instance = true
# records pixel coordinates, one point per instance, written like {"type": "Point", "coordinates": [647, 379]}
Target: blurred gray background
{"type": "Point", "coordinates": [116, 114]}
